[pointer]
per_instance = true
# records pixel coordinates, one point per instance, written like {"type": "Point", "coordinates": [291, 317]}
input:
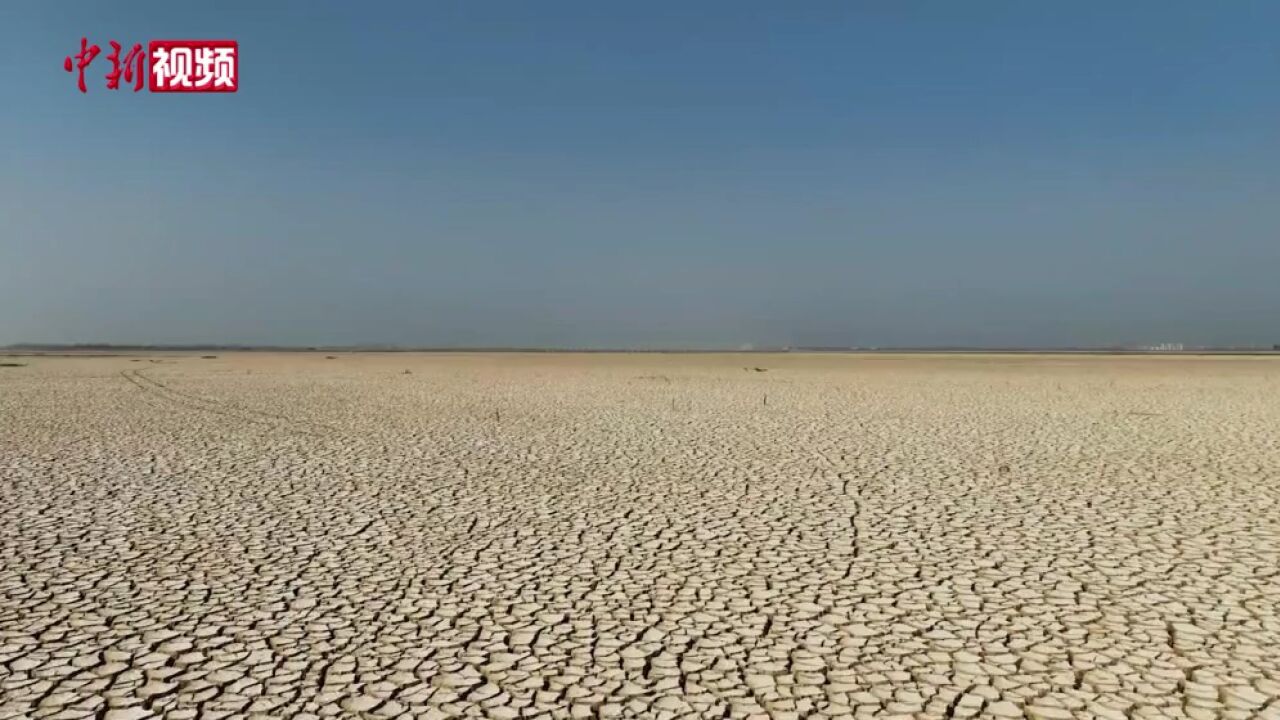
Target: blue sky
{"type": "Point", "coordinates": [650, 174]}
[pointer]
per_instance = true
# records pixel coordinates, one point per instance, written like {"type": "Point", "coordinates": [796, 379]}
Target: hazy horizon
{"type": "Point", "coordinates": [581, 176]}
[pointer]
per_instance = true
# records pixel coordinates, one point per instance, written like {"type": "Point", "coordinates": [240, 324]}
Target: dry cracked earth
{"type": "Point", "coordinates": [648, 536]}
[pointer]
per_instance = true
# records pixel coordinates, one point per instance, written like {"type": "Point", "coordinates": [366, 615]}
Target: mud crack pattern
{"type": "Point", "coordinates": [648, 536]}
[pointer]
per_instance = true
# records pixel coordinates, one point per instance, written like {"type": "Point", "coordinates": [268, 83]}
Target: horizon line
{"type": "Point", "coordinates": [392, 348]}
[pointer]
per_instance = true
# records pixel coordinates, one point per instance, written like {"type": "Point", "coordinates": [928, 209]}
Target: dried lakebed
{"type": "Point", "coordinates": [649, 536]}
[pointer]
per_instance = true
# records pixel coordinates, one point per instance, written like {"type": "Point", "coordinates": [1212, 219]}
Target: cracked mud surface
{"type": "Point", "coordinates": [653, 536]}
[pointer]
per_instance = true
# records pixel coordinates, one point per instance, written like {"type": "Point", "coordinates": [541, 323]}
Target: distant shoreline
{"type": "Point", "coordinates": [107, 350]}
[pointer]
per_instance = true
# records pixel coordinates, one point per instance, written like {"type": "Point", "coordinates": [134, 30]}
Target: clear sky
{"type": "Point", "coordinates": [650, 174]}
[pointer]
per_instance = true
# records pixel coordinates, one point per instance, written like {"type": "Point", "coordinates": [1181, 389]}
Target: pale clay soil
{"type": "Point", "coordinates": [648, 536]}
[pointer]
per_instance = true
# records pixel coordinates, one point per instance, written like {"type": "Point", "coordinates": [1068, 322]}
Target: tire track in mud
{"type": "Point", "coordinates": [161, 395]}
{"type": "Point", "coordinates": [191, 401]}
